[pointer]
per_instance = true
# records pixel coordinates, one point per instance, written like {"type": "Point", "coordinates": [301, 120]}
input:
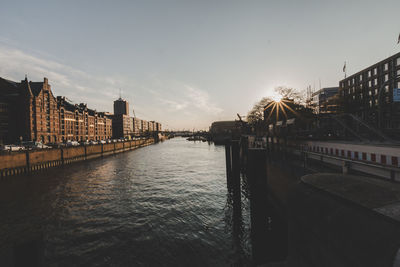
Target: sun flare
{"type": "Point", "coordinates": [277, 98]}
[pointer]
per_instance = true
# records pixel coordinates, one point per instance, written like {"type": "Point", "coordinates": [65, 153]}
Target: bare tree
{"type": "Point", "coordinates": [291, 93]}
{"type": "Point", "coordinates": [256, 114]}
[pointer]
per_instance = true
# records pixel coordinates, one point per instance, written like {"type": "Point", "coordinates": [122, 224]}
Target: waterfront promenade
{"type": "Point", "coordinates": [28, 161]}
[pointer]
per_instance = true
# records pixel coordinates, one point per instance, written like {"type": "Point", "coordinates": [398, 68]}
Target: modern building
{"type": "Point", "coordinates": [121, 107]}
{"type": "Point", "coordinates": [325, 100]}
{"type": "Point", "coordinates": [122, 126]}
{"type": "Point", "coordinates": [373, 94]}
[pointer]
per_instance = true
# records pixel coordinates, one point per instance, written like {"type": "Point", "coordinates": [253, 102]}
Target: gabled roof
{"type": "Point", "coordinates": [36, 87]}
{"type": "Point", "coordinates": [8, 87]}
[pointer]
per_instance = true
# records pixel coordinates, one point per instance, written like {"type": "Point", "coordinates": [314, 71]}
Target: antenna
{"type": "Point", "coordinates": [120, 93]}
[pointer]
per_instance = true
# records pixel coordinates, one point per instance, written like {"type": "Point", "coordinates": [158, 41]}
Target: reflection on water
{"type": "Point", "coordinates": [162, 205]}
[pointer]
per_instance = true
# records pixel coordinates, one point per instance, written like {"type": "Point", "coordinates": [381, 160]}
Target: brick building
{"type": "Point", "coordinates": [30, 112]}
{"type": "Point", "coordinates": [137, 126]}
{"type": "Point", "coordinates": [78, 122]}
{"type": "Point", "coordinates": [371, 94]}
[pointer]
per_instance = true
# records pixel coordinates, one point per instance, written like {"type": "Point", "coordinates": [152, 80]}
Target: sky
{"type": "Point", "coordinates": [189, 63]}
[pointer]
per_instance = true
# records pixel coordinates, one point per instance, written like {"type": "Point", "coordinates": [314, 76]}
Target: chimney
{"type": "Point", "coordinates": [45, 80]}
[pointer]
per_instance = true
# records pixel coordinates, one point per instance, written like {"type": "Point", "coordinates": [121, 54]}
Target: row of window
{"type": "Point", "coordinates": [374, 72]}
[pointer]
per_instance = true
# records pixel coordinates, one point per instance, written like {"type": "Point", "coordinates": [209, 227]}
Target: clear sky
{"type": "Point", "coordinates": [189, 63]}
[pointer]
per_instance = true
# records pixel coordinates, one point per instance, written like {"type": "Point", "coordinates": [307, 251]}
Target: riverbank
{"type": "Point", "coordinates": [35, 160]}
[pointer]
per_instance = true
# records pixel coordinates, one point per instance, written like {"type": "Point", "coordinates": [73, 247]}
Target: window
{"type": "Point", "coordinates": [361, 86]}
{"type": "Point", "coordinates": [398, 61]}
{"type": "Point", "coordinates": [387, 88]}
{"type": "Point", "coordinates": [354, 97]}
{"type": "Point", "coordinates": [360, 77]}
{"type": "Point", "coordinates": [398, 72]}
{"type": "Point", "coordinates": [387, 99]}
{"type": "Point", "coordinates": [375, 71]}
{"type": "Point", "coordinates": [369, 73]}
{"type": "Point", "coordinates": [386, 77]}
{"type": "Point", "coordinates": [370, 83]}
{"type": "Point", "coordinates": [370, 92]}
{"type": "Point", "coordinates": [398, 84]}
{"type": "Point", "coordinates": [370, 103]}
{"type": "Point", "coordinates": [375, 81]}
{"type": "Point", "coordinates": [386, 66]}
{"type": "Point", "coordinates": [376, 91]}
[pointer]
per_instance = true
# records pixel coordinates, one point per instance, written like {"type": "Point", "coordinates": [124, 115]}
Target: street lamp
{"type": "Point", "coordinates": [380, 96]}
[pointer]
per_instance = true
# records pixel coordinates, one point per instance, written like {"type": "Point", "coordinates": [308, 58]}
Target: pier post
{"type": "Point", "coordinates": [268, 228]}
{"type": "Point", "coordinates": [228, 161]}
{"type": "Point", "coordinates": [237, 210]}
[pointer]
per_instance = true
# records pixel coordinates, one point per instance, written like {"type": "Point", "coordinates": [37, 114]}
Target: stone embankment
{"type": "Point", "coordinates": [34, 160]}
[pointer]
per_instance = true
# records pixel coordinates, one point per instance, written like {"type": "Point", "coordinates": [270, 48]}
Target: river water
{"type": "Point", "coordinates": [162, 205]}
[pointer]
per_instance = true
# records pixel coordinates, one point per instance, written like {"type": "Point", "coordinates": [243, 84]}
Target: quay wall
{"type": "Point", "coordinates": [14, 163]}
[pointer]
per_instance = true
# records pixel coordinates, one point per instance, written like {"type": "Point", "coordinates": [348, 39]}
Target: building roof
{"type": "Point", "coordinates": [36, 87]}
{"type": "Point", "coordinates": [326, 89]}
{"type": "Point", "coordinates": [371, 67]}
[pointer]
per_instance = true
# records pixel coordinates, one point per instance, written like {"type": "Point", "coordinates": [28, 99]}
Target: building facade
{"type": "Point", "coordinates": [79, 123]}
{"type": "Point", "coordinates": [122, 126]}
{"type": "Point", "coordinates": [373, 94]}
{"type": "Point", "coordinates": [30, 112]}
{"type": "Point", "coordinates": [325, 100]}
{"type": "Point", "coordinates": [121, 107]}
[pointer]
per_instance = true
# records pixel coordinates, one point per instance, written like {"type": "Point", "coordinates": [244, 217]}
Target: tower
{"type": "Point", "coordinates": [121, 107]}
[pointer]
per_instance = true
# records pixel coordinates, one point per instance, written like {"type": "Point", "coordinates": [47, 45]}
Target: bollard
{"type": "Point", "coordinates": [345, 167]}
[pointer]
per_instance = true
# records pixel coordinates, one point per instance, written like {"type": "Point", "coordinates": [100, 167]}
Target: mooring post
{"type": "Point", "coordinates": [268, 229]}
{"type": "Point", "coordinates": [236, 174]}
{"type": "Point", "coordinates": [228, 161]}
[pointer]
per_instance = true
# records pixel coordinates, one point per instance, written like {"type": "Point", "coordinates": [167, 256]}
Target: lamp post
{"type": "Point", "coordinates": [380, 92]}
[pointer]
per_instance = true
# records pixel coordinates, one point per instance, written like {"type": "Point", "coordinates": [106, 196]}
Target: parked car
{"type": "Point", "coordinates": [85, 143]}
{"type": "Point", "coordinates": [103, 142]}
{"type": "Point", "coordinates": [34, 145]}
{"type": "Point", "coordinates": [53, 145]}
{"type": "Point", "coordinates": [72, 143]}
{"type": "Point", "coordinates": [13, 148]}
{"type": "Point", "coordinates": [93, 142]}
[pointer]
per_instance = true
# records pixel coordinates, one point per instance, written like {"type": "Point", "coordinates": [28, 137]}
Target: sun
{"type": "Point", "coordinates": [276, 98]}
